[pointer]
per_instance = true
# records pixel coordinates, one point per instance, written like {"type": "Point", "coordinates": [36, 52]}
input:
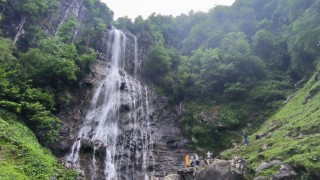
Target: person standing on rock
{"type": "Point", "coordinates": [192, 161]}
{"type": "Point", "coordinates": [197, 159]}
{"type": "Point", "coordinates": [245, 137]}
{"type": "Point", "coordinates": [187, 160]}
{"type": "Point", "coordinates": [209, 155]}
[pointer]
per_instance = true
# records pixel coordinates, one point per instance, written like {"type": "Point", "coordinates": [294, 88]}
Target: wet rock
{"type": "Point", "coordinates": [285, 173]}
{"type": "Point", "coordinates": [122, 86]}
{"type": "Point", "coordinates": [66, 9]}
{"type": "Point", "coordinates": [240, 164]}
{"type": "Point", "coordinates": [181, 143]}
{"type": "Point", "coordinates": [261, 178]}
{"type": "Point", "coordinates": [154, 178]}
{"type": "Point", "coordinates": [187, 173]}
{"type": "Point", "coordinates": [173, 177]}
{"type": "Point", "coordinates": [210, 115]}
{"type": "Point", "coordinates": [64, 146]}
{"type": "Point", "coordinates": [100, 148]}
{"type": "Point", "coordinates": [124, 108]}
{"type": "Point", "coordinates": [68, 165]}
{"type": "Point", "coordinates": [87, 146]}
{"type": "Point", "coordinates": [220, 170]}
{"type": "Point", "coordinates": [65, 130]}
{"type": "Point", "coordinates": [264, 166]}
{"type": "Point", "coordinates": [80, 172]}
{"type": "Point", "coordinates": [172, 142]}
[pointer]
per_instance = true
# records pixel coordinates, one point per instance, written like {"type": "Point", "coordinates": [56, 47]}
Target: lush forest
{"type": "Point", "coordinates": [236, 64]}
{"type": "Point", "coordinates": [232, 68]}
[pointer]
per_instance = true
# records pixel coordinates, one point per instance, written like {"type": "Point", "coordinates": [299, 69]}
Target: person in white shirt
{"type": "Point", "coordinates": [209, 155]}
{"type": "Point", "coordinates": [197, 159]}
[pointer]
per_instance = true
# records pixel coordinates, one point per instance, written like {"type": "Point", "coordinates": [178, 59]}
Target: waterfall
{"type": "Point", "coordinates": [117, 121]}
{"type": "Point", "coordinates": [20, 29]}
{"type": "Point", "coordinates": [148, 148]}
{"type": "Point", "coordinates": [136, 63]}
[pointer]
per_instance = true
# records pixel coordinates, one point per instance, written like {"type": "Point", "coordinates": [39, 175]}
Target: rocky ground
{"type": "Point", "coordinates": [235, 169]}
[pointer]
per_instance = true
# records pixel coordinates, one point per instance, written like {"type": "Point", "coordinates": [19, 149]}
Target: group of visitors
{"type": "Point", "coordinates": [193, 160]}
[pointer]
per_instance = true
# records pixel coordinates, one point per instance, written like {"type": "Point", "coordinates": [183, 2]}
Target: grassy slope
{"type": "Point", "coordinates": [21, 156]}
{"type": "Point", "coordinates": [293, 135]}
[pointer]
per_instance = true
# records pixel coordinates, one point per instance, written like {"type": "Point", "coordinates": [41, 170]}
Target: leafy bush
{"type": "Point", "coordinates": [15, 107]}
{"type": "Point", "coordinates": [53, 63]}
{"type": "Point", "coordinates": [235, 91]}
{"type": "Point", "coordinates": [22, 157]}
{"type": "Point", "coordinates": [158, 62]}
{"type": "Point", "coordinates": [268, 91]}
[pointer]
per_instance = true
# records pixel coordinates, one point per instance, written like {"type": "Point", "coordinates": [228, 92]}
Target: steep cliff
{"type": "Point", "coordinates": [149, 139]}
{"type": "Point", "coordinates": [66, 10]}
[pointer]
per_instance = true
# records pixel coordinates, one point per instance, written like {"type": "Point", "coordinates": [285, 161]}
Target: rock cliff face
{"type": "Point", "coordinates": [66, 9]}
{"type": "Point", "coordinates": [149, 140]}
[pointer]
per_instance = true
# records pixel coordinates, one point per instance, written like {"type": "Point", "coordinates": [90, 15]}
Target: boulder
{"type": "Point", "coordinates": [87, 146]}
{"type": "Point", "coordinates": [263, 148]}
{"type": "Point", "coordinates": [187, 173]}
{"type": "Point", "coordinates": [240, 164]}
{"type": "Point", "coordinates": [264, 165]}
{"type": "Point", "coordinates": [285, 173]}
{"type": "Point", "coordinates": [172, 177]}
{"type": "Point", "coordinates": [261, 178]}
{"type": "Point", "coordinates": [220, 170]}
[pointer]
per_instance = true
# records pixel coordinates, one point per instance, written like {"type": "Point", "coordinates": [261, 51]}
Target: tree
{"type": "Point", "coordinates": [235, 42]}
{"type": "Point", "coordinates": [66, 31]}
{"type": "Point", "coordinates": [53, 63]}
{"type": "Point", "coordinates": [263, 43]}
{"type": "Point", "coordinates": [304, 41]}
{"type": "Point", "coordinates": [158, 62]}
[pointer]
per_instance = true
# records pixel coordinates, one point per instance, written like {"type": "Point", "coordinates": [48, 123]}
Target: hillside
{"type": "Point", "coordinates": [232, 67]}
{"type": "Point", "coordinates": [21, 155]}
{"type": "Point", "coordinates": [291, 135]}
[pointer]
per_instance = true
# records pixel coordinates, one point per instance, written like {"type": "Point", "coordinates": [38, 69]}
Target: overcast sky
{"type": "Point", "coordinates": [133, 8]}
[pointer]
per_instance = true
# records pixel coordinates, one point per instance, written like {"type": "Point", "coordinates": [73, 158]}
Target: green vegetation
{"type": "Point", "coordinates": [291, 135]}
{"type": "Point", "coordinates": [22, 157]}
{"type": "Point", "coordinates": [234, 68]}
{"type": "Point", "coordinates": [39, 74]}
{"type": "Point", "coordinates": [248, 55]}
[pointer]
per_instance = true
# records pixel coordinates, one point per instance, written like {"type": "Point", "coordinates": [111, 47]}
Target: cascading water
{"type": "Point", "coordinates": [125, 135]}
{"type": "Point", "coordinates": [136, 62]}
